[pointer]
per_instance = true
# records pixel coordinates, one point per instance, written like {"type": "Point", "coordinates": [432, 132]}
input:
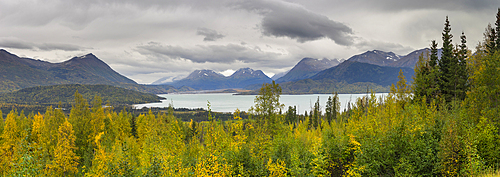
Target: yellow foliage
{"type": "Point", "coordinates": [65, 160]}
{"type": "Point", "coordinates": [212, 166]}
{"type": "Point", "coordinates": [277, 169]}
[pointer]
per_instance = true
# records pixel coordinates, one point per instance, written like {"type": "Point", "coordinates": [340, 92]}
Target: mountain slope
{"type": "Point", "coordinates": [412, 58]}
{"type": "Point", "coordinates": [306, 68]}
{"type": "Point", "coordinates": [203, 80]}
{"type": "Point", "coordinates": [65, 94]}
{"type": "Point", "coordinates": [376, 57]}
{"type": "Point", "coordinates": [353, 72]}
{"type": "Point", "coordinates": [18, 73]}
{"type": "Point", "coordinates": [210, 80]}
{"type": "Point", "coordinates": [246, 76]}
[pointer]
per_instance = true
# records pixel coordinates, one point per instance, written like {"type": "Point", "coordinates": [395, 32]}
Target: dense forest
{"type": "Point", "coordinates": [445, 123]}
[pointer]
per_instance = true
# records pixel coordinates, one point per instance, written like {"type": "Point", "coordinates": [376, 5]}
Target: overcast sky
{"type": "Point", "coordinates": [146, 40]}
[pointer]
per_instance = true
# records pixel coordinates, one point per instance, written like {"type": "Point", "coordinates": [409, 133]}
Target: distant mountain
{"type": "Point", "coordinates": [349, 77]}
{"type": "Point", "coordinates": [202, 80]}
{"type": "Point", "coordinates": [17, 73]}
{"type": "Point", "coordinates": [306, 68]}
{"type": "Point", "coordinates": [376, 57]}
{"type": "Point", "coordinates": [20, 73]}
{"type": "Point", "coordinates": [211, 80]}
{"type": "Point", "coordinates": [279, 75]}
{"type": "Point", "coordinates": [352, 72]}
{"type": "Point", "coordinates": [246, 76]}
{"type": "Point", "coordinates": [412, 58]}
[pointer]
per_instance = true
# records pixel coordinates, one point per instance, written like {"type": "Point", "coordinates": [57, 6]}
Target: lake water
{"type": "Point", "coordinates": [227, 102]}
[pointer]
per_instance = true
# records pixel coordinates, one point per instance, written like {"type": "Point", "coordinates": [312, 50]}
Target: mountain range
{"type": "Point", "coordinates": [18, 73]}
{"type": "Point", "coordinates": [306, 68]}
{"type": "Point", "coordinates": [376, 67]}
{"type": "Point", "coordinates": [211, 80]}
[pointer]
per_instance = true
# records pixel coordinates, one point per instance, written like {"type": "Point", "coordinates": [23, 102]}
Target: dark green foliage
{"type": "Point", "coordinates": [447, 64]}
{"type": "Point", "coordinates": [291, 116]}
{"type": "Point", "coordinates": [332, 108]}
{"type": "Point", "coordinates": [65, 94]}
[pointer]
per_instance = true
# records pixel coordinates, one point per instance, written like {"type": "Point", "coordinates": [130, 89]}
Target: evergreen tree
{"type": "Point", "coordinates": [332, 108]}
{"type": "Point", "coordinates": [462, 74]}
{"type": "Point", "coordinates": [497, 30]}
{"type": "Point", "coordinates": [447, 64]}
{"type": "Point", "coordinates": [421, 80]}
{"type": "Point", "coordinates": [491, 40]}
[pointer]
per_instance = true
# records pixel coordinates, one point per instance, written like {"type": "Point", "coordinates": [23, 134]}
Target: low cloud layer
{"type": "Point", "coordinates": [20, 44]}
{"type": "Point", "coordinates": [208, 53]}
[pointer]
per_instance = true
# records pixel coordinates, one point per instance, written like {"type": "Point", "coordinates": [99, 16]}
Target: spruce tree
{"type": "Point", "coordinates": [446, 64]}
{"type": "Point", "coordinates": [497, 30]}
{"type": "Point", "coordinates": [462, 68]}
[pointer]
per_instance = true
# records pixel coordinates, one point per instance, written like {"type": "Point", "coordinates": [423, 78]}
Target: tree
{"type": "Point", "coordinates": [65, 160]}
{"type": "Point", "coordinates": [497, 30]}
{"type": "Point", "coordinates": [316, 116]}
{"type": "Point", "coordinates": [462, 74]}
{"type": "Point", "coordinates": [421, 80]}
{"type": "Point", "coordinates": [267, 103]}
{"type": "Point", "coordinates": [332, 107]}
{"type": "Point", "coordinates": [11, 138]}
{"type": "Point", "coordinates": [447, 64]}
{"type": "Point", "coordinates": [80, 117]}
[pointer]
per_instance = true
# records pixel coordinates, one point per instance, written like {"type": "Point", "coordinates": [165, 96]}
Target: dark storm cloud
{"type": "Point", "coordinates": [283, 19]}
{"type": "Point", "coordinates": [398, 5]}
{"type": "Point", "coordinates": [208, 53]}
{"type": "Point", "coordinates": [210, 35]}
{"type": "Point", "coordinates": [20, 44]}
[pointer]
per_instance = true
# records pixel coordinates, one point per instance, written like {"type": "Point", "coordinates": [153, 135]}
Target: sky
{"type": "Point", "coordinates": [146, 40]}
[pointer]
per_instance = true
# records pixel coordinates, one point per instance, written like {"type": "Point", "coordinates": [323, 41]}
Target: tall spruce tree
{"type": "Point", "coordinates": [497, 30]}
{"type": "Point", "coordinates": [462, 73]}
{"type": "Point", "coordinates": [434, 71]}
{"type": "Point", "coordinates": [447, 64]}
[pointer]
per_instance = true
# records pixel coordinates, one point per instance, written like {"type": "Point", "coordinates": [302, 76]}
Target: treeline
{"type": "Point", "coordinates": [64, 94]}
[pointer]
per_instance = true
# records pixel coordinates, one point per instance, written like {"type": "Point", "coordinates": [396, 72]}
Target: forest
{"type": "Point", "coordinates": [444, 123]}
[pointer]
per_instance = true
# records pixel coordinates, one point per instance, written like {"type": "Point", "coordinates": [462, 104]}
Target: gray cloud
{"type": "Point", "coordinates": [210, 35]}
{"type": "Point", "coordinates": [399, 49]}
{"type": "Point", "coordinates": [283, 19]}
{"type": "Point", "coordinates": [208, 53]}
{"type": "Point", "coordinates": [20, 44]}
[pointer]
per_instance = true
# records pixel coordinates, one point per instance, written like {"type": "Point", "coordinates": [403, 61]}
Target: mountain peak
{"type": "Point", "coordinates": [204, 73]}
{"type": "Point", "coordinates": [248, 72]}
{"type": "Point", "coordinates": [306, 68]}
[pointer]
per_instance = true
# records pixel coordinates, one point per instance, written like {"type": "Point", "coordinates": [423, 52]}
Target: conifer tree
{"type": "Point", "coordinates": [421, 80]}
{"type": "Point", "coordinates": [65, 160]}
{"type": "Point", "coordinates": [462, 74]}
{"type": "Point", "coordinates": [497, 30]}
{"type": "Point", "coordinates": [447, 64]}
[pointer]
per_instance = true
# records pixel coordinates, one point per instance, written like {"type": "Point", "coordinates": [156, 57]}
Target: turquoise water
{"type": "Point", "coordinates": [227, 102]}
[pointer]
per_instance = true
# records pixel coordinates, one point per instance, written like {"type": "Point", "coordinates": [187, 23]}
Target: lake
{"type": "Point", "coordinates": [228, 102]}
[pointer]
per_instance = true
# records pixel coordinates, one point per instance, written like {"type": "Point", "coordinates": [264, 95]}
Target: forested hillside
{"type": "Point", "coordinates": [65, 94]}
{"type": "Point", "coordinates": [445, 123]}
